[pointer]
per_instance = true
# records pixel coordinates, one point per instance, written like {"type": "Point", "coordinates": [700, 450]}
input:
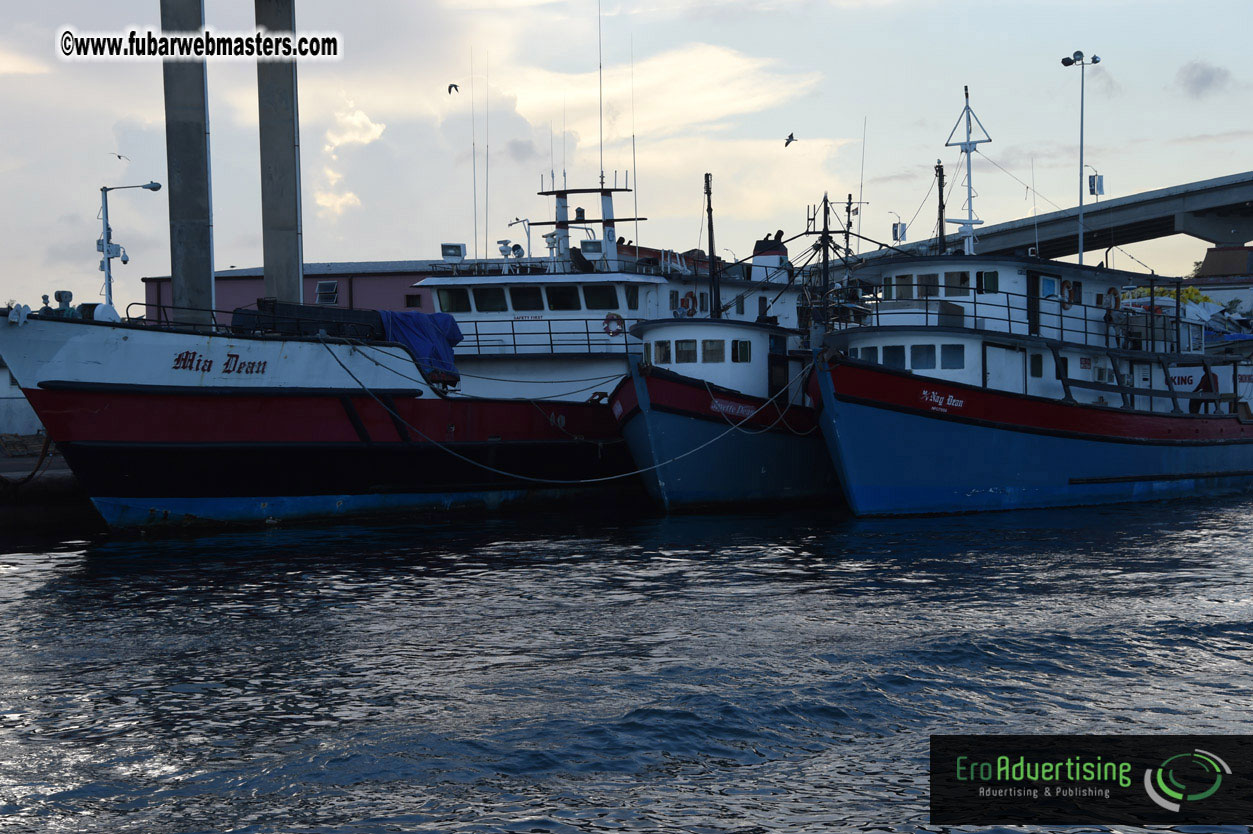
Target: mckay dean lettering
{"type": "Point", "coordinates": [190, 360]}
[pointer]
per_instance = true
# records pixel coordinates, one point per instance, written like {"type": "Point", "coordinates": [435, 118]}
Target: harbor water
{"type": "Point", "coordinates": [730, 673]}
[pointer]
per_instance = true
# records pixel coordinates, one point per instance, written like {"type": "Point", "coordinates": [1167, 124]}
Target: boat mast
{"type": "Point", "coordinates": [826, 256]}
{"type": "Point", "coordinates": [966, 226]}
{"type": "Point", "coordinates": [939, 173]}
{"type": "Point", "coordinates": [715, 289]}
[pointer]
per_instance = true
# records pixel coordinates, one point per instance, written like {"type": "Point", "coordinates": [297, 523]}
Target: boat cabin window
{"type": "Point", "coordinates": [866, 354]}
{"type": "Point", "coordinates": [894, 356]}
{"type": "Point", "coordinates": [741, 350]}
{"type": "Point", "coordinates": [956, 284]}
{"type": "Point", "coordinates": [1037, 365]}
{"type": "Point", "coordinates": [600, 297]}
{"type": "Point", "coordinates": [526, 298]}
{"type": "Point", "coordinates": [327, 292]}
{"type": "Point", "coordinates": [563, 297]}
{"type": "Point", "coordinates": [929, 285]}
{"type": "Point", "coordinates": [684, 350]}
{"type": "Point", "coordinates": [661, 352]}
{"type": "Point", "coordinates": [987, 282]}
{"type": "Point", "coordinates": [922, 357]}
{"type": "Point", "coordinates": [898, 287]}
{"type": "Point", "coordinates": [413, 300]}
{"type": "Point", "coordinates": [763, 306]}
{"type": "Point", "coordinates": [490, 299]}
{"type": "Point", "coordinates": [713, 350]}
{"type": "Point", "coordinates": [1048, 287]}
{"type": "Point", "coordinates": [644, 354]}
{"type": "Point", "coordinates": [1076, 292]}
{"type": "Point", "coordinates": [453, 299]}
{"type": "Point", "coordinates": [674, 299]}
{"type": "Point", "coordinates": [704, 302]}
{"type": "Point", "coordinates": [952, 357]}
{"type": "Point", "coordinates": [1062, 367]}
{"type": "Point", "coordinates": [739, 305]}
{"type": "Point", "coordinates": [632, 297]}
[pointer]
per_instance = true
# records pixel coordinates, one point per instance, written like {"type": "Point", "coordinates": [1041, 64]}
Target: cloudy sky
{"type": "Point", "coordinates": [717, 85]}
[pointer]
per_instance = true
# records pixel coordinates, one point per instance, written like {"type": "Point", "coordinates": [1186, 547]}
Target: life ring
{"type": "Point", "coordinates": [613, 324]}
{"type": "Point", "coordinates": [688, 304]}
{"type": "Point", "coordinates": [1066, 291]}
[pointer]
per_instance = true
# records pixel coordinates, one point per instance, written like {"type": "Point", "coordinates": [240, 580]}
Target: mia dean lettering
{"type": "Point", "coordinates": [190, 360]}
{"type": "Point", "coordinates": [1072, 769]}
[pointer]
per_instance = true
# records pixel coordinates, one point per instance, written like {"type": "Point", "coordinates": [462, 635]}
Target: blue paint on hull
{"type": "Point", "coordinates": [895, 463]}
{"type": "Point", "coordinates": [739, 468]}
{"type": "Point", "coordinates": [126, 513]}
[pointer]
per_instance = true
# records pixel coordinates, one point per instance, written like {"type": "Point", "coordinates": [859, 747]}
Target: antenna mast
{"type": "Point", "coordinates": [635, 168]}
{"type": "Point", "coordinates": [487, 152]}
{"type": "Point", "coordinates": [715, 289]}
{"type": "Point", "coordinates": [474, 156]}
{"type": "Point", "coordinates": [939, 173]}
{"type": "Point", "coordinates": [600, 67]}
{"type": "Point", "coordinates": [966, 227]}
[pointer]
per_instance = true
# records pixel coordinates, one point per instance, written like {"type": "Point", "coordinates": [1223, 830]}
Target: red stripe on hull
{"type": "Point", "coordinates": [128, 416]}
{"type": "Point", "coordinates": [690, 396]}
{"type": "Point", "coordinates": [924, 395]}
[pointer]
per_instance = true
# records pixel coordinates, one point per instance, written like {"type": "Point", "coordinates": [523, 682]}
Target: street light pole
{"type": "Point", "coordinates": [1072, 60]}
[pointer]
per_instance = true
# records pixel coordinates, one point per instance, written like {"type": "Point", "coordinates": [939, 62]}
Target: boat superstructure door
{"type": "Point", "coordinates": [1005, 368]}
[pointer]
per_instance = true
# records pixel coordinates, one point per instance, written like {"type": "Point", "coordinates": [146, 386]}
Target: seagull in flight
{"type": "Point", "coordinates": [789, 140]}
{"type": "Point", "coordinates": [452, 87]}
{"type": "Point", "coordinates": [118, 155]}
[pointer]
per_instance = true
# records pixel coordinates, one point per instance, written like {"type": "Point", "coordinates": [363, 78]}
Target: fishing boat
{"type": "Point", "coordinates": [957, 382]}
{"type": "Point", "coordinates": [715, 410]}
{"type": "Point", "coordinates": [290, 412]}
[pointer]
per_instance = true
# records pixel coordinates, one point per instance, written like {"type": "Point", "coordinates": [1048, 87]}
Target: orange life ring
{"type": "Point", "coordinates": [613, 324]}
{"type": "Point", "coordinates": [1067, 289]}
{"type": "Point", "coordinates": [689, 303]}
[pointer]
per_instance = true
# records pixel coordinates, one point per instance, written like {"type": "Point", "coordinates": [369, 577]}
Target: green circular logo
{"type": "Point", "coordinates": [1185, 777]}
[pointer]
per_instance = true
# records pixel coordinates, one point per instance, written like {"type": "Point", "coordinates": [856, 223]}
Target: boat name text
{"type": "Point", "coordinates": [190, 360]}
{"type": "Point", "coordinates": [939, 401]}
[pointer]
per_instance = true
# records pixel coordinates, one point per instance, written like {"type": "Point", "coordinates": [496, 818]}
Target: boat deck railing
{"type": "Point", "coordinates": [1123, 327]}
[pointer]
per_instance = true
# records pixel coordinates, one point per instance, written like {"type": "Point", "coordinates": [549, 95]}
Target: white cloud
{"type": "Point", "coordinates": [332, 204]}
{"type": "Point", "coordinates": [12, 63]}
{"type": "Point", "coordinates": [352, 127]}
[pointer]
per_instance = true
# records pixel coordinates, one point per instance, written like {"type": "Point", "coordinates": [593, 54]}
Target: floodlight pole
{"type": "Point", "coordinates": [1069, 61]}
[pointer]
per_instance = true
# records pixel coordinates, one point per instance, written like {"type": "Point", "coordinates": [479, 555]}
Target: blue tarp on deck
{"type": "Point", "coordinates": [431, 337]}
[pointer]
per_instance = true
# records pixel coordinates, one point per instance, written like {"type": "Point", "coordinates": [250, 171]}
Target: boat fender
{"type": "Point", "coordinates": [689, 304]}
{"type": "Point", "coordinates": [1066, 293]}
{"type": "Point", "coordinates": [613, 324]}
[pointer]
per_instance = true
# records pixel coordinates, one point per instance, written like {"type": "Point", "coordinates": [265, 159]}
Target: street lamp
{"type": "Point", "coordinates": [105, 245]}
{"type": "Point", "coordinates": [1078, 60]}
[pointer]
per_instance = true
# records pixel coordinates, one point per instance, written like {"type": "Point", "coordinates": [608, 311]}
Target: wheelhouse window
{"type": "Point", "coordinates": [684, 351]}
{"type": "Point", "coordinates": [600, 297]}
{"type": "Point", "coordinates": [922, 357]}
{"type": "Point", "coordinates": [929, 285]}
{"type": "Point", "coordinates": [952, 357]}
{"type": "Point", "coordinates": [563, 298]}
{"type": "Point", "coordinates": [713, 350]}
{"type": "Point", "coordinates": [741, 350]}
{"type": "Point", "coordinates": [327, 292]}
{"type": "Point", "coordinates": [1061, 368]}
{"type": "Point", "coordinates": [869, 354]}
{"type": "Point", "coordinates": [526, 298]}
{"type": "Point", "coordinates": [1037, 365]}
{"type": "Point", "coordinates": [661, 352]}
{"type": "Point", "coordinates": [632, 296]}
{"type": "Point", "coordinates": [413, 301]}
{"type": "Point", "coordinates": [894, 356]}
{"type": "Point", "coordinates": [956, 284]}
{"type": "Point", "coordinates": [490, 299]}
{"type": "Point", "coordinates": [986, 282]}
{"type": "Point", "coordinates": [899, 287]}
{"type": "Point", "coordinates": [453, 299]}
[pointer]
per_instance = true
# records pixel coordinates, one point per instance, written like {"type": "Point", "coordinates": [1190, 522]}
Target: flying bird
{"type": "Point", "coordinates": [789, 140]}
{"type": "Point", "coordinates": [118, 155]}
{"type": "Point", "coordinates": [452, 87]}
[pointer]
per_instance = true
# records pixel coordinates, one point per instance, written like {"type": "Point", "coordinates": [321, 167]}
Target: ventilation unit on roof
{"type": "Point", "coordinates": [453, 253]}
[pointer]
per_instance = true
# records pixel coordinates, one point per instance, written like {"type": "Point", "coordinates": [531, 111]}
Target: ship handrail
{"type": "Point", "coordinates": [1162, 393]}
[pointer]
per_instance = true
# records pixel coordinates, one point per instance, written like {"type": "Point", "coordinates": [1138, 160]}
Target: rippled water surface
{"type": "Point", "coordinates": [705, 674]}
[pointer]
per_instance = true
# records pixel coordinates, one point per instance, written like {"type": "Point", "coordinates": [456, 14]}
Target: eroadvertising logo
{"type": "Point", "coordinates": [1091, 780]}
{"type": "Point", "coordinates": [1192, 776]}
